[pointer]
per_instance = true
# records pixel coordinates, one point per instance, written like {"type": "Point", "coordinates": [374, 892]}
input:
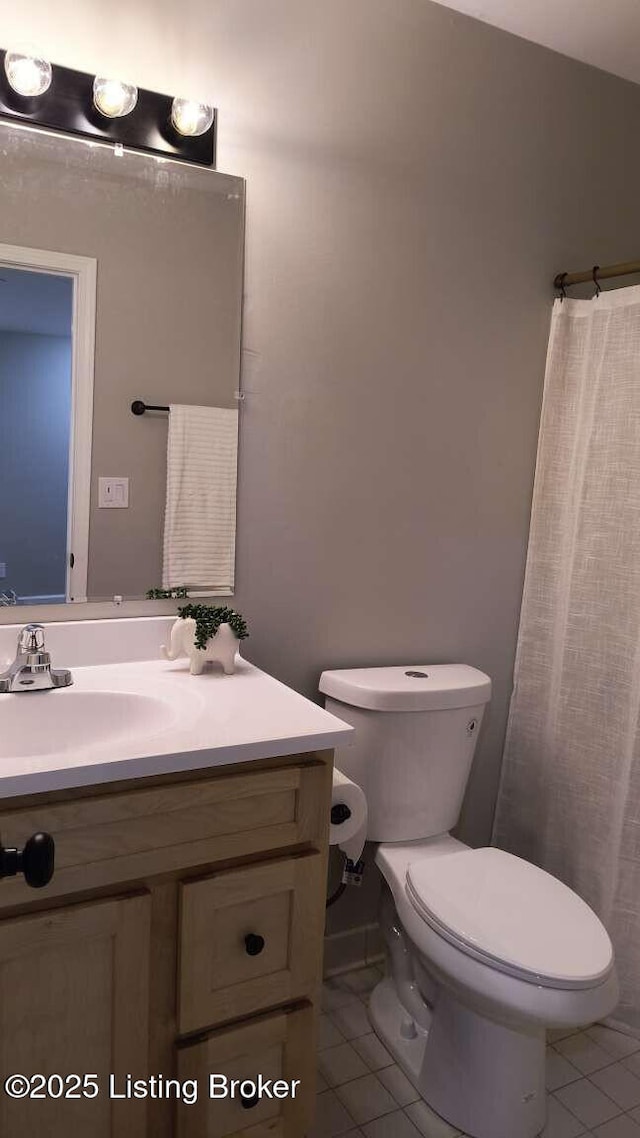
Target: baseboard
{"type": "Point", "coordinates": [354, 948]}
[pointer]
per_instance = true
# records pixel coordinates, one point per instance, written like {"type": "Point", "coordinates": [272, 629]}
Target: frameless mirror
{"type": "Point", "coordinates": [120, 282]}
{"type": "Point", "coordinates": [36, 324]}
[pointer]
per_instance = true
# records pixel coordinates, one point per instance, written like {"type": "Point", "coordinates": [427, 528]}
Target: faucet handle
{"type": "Point", "coordinates": [31, 638]}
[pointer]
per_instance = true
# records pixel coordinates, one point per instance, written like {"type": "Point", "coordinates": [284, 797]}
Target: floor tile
{"type": "Point", "coordinates": [556, 1033]}
{"type": "Point", "coordinates": [429, 1124]}
{"type": "Point", "coordinates": [588, 1103]}
{"type": "Point", "coordinates": [559, 1070]}
{"type": "Point", "coordinates": [395, 1125]}
{"type": "Point", "coordinates": [328, 1034]}
{"type": "Point", "coordinates": [632, 1062]}
{"type": "Point", "coordinates": [561, 1123]}
{"type": "Point", "coordinates": [594, 1074]}
{"type": "Point", "coordinates": [331, 1117]}
{"type": "Point", "coordinates": [583, 1052]}
{"type": "Point", "coordinates": [340, 981]}
{"type": "Point", "coordinates": [621, 1127]}
{"type": "Point", "coordinates": [373, 1052]}
{"type": "Point", "coordinates": [366, 1099]}
{"type": "Point", "coordinates": [620, 1084]}
{"type": "Point", "coordinates": [352, 1020]}
{"type": "Point", "coordinates": [335, 995]}
{"type": "Point", "coordinates": [340, 1064]}
{"type": "Point", "coordinates": [615, 1042]}
{"type": "Point", "coordinates": [363, 979]}
{"type": "Point", "coordinates": [399, 1086]}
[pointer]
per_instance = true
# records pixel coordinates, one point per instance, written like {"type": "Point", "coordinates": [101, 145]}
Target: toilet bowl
{"type": "Point", "coordinates": [476, 1051]}
{"type": "Point", "coordinates": [486, 951]}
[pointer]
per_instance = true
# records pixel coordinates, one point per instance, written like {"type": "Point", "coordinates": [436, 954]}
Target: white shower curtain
{"type": "Point", "coordinates": [570, 792]}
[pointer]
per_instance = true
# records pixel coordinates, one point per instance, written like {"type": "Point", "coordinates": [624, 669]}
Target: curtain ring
{"type": "Point", "coordinates": [596, 270]}
{"type": "Point", "coordinates": [560, 279]}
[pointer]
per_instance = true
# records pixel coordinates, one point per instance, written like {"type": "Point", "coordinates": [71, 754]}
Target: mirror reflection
{"type": "Point", "coordinates": [120, 281]}
{"type": "Point", "coordinates": [35, 401]}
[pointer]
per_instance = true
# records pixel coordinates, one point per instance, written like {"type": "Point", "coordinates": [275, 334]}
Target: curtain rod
{"type": "Point", "coordinates": [624, 269]}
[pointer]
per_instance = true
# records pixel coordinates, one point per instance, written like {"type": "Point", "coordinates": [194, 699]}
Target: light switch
{"type": "Point", "coordinates": [113, 493]}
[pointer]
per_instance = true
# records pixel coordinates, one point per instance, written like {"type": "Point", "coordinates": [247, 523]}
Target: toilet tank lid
{"type": "Point", "coordinates": [408, 687]}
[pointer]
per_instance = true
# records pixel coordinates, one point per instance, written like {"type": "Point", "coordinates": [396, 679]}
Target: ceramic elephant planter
{"type": "Point", "coordinates": [221, 647]}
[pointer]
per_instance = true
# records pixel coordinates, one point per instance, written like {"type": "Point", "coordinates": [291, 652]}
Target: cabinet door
{"type": "Point", "coordinates": [74, 1000]}
{"type": "Point", "coordinates": [250, 939]}
{"type": "Point", "coordinates": [278, 1047]}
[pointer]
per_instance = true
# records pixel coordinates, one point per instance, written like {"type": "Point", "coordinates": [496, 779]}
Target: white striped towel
{"type": "Point", "coordinates": [200, 513]}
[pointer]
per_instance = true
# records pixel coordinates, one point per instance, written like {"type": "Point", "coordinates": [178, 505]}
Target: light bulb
{"type": "Point", "coordinates": [191, 118]}
{"type": "Point", "coordinates": [27, 74]}
{"type": "Point", "coordinates": [113, 98]}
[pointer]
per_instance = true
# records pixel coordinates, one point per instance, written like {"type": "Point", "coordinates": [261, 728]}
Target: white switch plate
{"type": "Point", "coordinates": [113, 493]}
{"type": "Point", "coordinates": [3, 569]}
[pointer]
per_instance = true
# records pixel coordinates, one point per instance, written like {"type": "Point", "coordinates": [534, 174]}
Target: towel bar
{"type": "Point", "coordinates": [139, 408]}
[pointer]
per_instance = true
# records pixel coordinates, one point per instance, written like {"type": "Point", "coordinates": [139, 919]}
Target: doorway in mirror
{"type": "Point", "coordinates": [47, 314]}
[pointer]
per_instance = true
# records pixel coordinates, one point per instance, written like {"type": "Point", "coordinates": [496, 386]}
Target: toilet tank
{"type": "Point", "coordinates": [415, 735]}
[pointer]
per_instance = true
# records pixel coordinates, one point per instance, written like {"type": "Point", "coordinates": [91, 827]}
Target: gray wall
{"type": "Point", "coordinates": [415, 179]}
{"type": "Point", "coordinates": [402, 238]}
{"type": "Point", "coordinates": [35, 398]}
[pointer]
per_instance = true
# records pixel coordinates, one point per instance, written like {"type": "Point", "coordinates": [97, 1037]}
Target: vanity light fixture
{"type": "Point", "coordinates": [27, 75]}
{"type": "Point", "coordinates": [36, 94]}
{"type": "Point", "coordinates": [114, 99]}
{"type": "Point", "coordinates": [191, 119]}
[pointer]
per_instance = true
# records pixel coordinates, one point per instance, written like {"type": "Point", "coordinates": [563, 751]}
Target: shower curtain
{"type": "Point", "coordinates": [570, 791]}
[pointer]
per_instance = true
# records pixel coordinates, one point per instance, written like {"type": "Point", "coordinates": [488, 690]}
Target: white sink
{"type": "Point", "coordinates": [67, 720]}
{"type": "Point", "coordinates": [151, 717]}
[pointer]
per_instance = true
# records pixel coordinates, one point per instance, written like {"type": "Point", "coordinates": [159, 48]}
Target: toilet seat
{"type": "Point", "coordinates": [511, 915]}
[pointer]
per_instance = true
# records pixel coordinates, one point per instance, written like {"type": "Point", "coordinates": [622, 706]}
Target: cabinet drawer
{"type": "Point", "coordinates": [135, 834]}
{"type": "Point", "coordinates": [250, 939]}
{"type": "Point", "coordinates": [278, 1047]}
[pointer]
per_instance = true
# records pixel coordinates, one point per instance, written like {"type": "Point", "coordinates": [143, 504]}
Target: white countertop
{"type": "Point", "coordinates": [202, 722]}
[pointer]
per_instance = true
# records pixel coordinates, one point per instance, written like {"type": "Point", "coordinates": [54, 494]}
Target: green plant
{"type": "Point", "coordinates": [180, 593]}
{"type": "Point", "coordinates": [208, 619]}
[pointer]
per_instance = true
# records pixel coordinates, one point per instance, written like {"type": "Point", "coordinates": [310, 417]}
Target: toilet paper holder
{"type": "Point", "coordinates": [340, 813]}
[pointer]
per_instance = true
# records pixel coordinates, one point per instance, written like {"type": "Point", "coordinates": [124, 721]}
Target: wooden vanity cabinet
{"type": "Point", "coordinates": [181, 936]}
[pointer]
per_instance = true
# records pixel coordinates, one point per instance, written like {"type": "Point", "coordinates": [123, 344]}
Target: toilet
{"type": "Point", "coordinates": [486, 950]}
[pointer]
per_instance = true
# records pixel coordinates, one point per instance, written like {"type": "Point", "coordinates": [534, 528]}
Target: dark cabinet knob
{"type": "Point", "coordinates": [36, 861]}
{"type": "Point", "coordinates": [253, 944]}
{"type": "Point", "coordinates": [249, 1100]}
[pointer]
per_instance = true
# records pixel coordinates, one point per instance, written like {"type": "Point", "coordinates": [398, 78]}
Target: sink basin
{"type": "Point", "coordinates": [142, 718]}
{"type": "Point", "coordinates": [55, 722]}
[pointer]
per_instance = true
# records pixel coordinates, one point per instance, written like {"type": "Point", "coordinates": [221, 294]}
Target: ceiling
{"type": "Point", "coordinates": [605, 33]}
{"type": "Point", "coordinates": [35, 302]}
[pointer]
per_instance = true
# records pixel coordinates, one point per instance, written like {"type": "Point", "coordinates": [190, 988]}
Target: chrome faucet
{"type": "Point", "coordinates": [31, 670]}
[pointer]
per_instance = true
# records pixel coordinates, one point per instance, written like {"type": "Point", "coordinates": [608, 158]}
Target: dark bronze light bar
{"type": "Point", "coordinates": [67, 105]}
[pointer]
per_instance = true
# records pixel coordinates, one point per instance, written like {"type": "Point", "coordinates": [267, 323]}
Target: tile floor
{"type": "Point", "coordinates": [593, 1078]}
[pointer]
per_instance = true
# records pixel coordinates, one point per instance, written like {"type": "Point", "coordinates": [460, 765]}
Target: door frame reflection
{"type": "Point", "coordinates": [83, 273]}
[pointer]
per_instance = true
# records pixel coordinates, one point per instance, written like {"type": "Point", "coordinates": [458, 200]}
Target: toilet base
{"type": "Point", "coordinates": [486, 1079]}
{"type": "Point", "coordinates": [394, 1026]}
